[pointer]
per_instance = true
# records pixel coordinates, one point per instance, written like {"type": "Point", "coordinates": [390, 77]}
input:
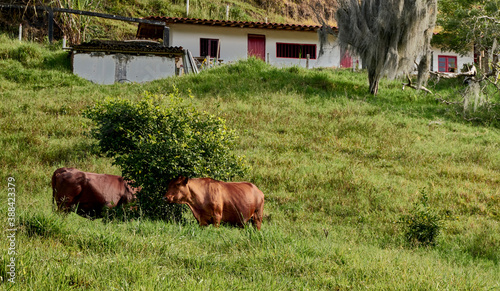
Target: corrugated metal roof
{"type": "Point", "coordinates": [241, 24]}
{"type": "Point", "coordinates": [139, 47]}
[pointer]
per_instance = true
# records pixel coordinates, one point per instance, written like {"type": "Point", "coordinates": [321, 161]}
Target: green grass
{"type": "Point", "coordinates": [338, 168]}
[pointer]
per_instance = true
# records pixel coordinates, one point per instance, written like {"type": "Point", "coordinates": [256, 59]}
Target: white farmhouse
{"type": "Point", "coordinates": [448, 61]}
{"type": "Point", "coordinates": [229, 41]}
{"type": "Point", "coordinates": [278, 44]}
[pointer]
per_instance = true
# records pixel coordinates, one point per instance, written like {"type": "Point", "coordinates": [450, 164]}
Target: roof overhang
{"type": "Point", "coordinates": [153, 31]}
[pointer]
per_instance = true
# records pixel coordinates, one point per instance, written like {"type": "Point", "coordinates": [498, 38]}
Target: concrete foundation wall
{"type": "Point", "coordinates": [108, 69]}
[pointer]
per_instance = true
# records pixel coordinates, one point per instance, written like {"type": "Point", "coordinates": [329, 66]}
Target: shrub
{"type": "Point", "coordinates": [159, 138]}
{"type": "Point", "coordinates": [422, 224]}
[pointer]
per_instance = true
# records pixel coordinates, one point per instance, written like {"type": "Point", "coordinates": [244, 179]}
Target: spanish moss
{"type": "Point", "coordinates": [388, 35]}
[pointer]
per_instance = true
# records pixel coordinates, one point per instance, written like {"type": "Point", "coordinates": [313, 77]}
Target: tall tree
{"type": "Point", "coordinates": [388, 35]}
{"type": "Point", "coordinates": [468, 23]}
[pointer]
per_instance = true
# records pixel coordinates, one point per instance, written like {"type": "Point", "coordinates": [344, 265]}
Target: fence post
{"type": "Point", "coordinates": [51, 25]}
{"type": "Point", "coordinates": [20, 31]}
{"type": "Point", "coordinates": [307, 61]}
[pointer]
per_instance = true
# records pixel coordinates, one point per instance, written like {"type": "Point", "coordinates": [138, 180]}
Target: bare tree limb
{"type": "Point", "coordinates": [472, 72]}
{"type": "Point", "coordinates": [411, 85]}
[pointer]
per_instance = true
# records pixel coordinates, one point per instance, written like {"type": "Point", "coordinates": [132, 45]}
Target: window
{"type": "Point", "coordinates": [209, 47]}
{"type": "Point", "coordinates": [295, 51]}
{"type": "Point", "coordinates": [447, 64]}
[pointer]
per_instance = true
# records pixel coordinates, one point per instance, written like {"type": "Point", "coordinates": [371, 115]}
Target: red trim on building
{"type": "Point", "coordinates": [295, 50]}
{"type": "Point", "coordinates": [447, 64]}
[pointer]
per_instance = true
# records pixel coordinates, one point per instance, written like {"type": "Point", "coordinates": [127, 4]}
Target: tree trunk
{"type": "Point", "coordinates": [485, 63]}
{"type": "Point", "coordinates": [373, 79]}
{"type": "Point", "coordinates": [423, 70]}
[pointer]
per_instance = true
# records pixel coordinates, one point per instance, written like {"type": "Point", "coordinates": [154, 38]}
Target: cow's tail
{"type": "Point", "coordinates": [54, 187]}
{"type": "Point", "coordinates": [54, 192]}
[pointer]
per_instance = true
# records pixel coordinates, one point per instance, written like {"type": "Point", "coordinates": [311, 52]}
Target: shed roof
{"type": "Point", "coordinates": [137, 47]}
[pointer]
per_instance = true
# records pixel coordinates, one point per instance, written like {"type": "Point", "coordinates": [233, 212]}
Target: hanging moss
{"type": "Point", "coordinates": [389, 36]}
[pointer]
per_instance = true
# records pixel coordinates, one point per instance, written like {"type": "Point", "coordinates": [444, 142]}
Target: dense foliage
{"type": "Point", "coordinates": [468, 23]}
{"type": "Point", "coordinates": [159, 138]}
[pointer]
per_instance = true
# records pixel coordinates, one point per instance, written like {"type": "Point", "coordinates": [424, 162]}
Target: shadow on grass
{"type": "Point", "coordinates": [65, 153]}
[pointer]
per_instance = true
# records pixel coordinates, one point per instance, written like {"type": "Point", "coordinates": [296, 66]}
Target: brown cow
{"type": "Point", "coordinates": [214, 201]}
{"type": "Point", "coordinates": [89, 192]}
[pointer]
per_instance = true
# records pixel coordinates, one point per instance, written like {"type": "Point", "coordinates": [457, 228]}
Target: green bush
{"type": "Point", "coordinates": [422, 224]}
{"type": "Point", "coordinates": [28, 54]}
{"type": "Point", "coordinates": [159, 138]}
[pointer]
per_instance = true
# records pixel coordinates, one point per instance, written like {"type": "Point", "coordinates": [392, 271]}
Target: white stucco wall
{"type": "Point", "coordinates": [234, 43]}
{"type": "Point", "coordinates": [108, 69]}
{"type": "Point", "coordinates": [148, 68]}
{"type": "Point", "coordinates": [98, 68]}
{"type": "Point", "coordinates": [461, 60]}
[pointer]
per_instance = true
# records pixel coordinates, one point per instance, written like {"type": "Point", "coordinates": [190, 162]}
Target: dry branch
{"type": "Point", "coordinates": [472, 72]}
{"type": "Point", "coordinates": [411, 85]}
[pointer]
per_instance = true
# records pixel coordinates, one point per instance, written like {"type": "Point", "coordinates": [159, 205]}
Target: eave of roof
{"type": "Point", "coordinates": [241, 24]}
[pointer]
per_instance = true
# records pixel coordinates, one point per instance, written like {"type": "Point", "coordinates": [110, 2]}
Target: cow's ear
{"type": "Point", "coordinates": [184, 180]}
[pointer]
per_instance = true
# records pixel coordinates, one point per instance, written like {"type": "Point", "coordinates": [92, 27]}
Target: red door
{"type": "Point", "coordinates": [346, 61]}
{"type": "Point", "coordinates": [257, 46]}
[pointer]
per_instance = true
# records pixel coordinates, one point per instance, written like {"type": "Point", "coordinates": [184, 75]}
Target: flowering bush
{"type": "Point", "coordinates": [159, 138]}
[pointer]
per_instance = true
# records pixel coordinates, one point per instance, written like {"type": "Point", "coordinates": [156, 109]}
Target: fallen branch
{"type": "Point", "coordinates": [448, 102]}
{"type": "Point", "coordinates": [411, 85]}
{"type": "Point", "coordinates": [472, 72]}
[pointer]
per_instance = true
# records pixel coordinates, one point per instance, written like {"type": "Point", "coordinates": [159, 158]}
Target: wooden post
{"type": "Point", "coordinates": [268, 58]}
{"type": "Point", "coordinates": [187, 8]}
{"type": "Point", "coordinates": [216, 60]}
{"type": "Point", "coordinates": [51, 25]}
{"type": "Point", "coordinates": [307, 60]}
{"type": "Point", "coordinates": [64, 42]}
{"type": "Point", "coordinates": [480, 61]}
{"type": "Point", "coordinates": [20, 31]}
{"type": "Point", "coordinates": [227, 12]}
{"type": "Point", "coordinates": [185, 64]}
{"type": "Point", "coordinates": [166, 36]}
{"type": "Point", "coordinates": [194, 68]}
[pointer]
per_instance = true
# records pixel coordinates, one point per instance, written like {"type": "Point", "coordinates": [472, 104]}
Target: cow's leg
{"type": "Point", "coordinates": [205, 219]}
{"type": "Point", "coordinates": [203, 222]}
{"type": "Point", "coordinates": [217, 216]}
{"type": "Point", "coordinates": [257, 217]}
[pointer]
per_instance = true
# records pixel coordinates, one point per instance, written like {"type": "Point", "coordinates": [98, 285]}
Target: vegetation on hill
{"type": "Point", "coordinates": [345, 174]}
{"type": "Point", "coordinates": [296, 11]}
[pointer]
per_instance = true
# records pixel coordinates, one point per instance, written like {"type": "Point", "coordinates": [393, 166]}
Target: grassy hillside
{"type": "Point", "coordinates": [339, 169]}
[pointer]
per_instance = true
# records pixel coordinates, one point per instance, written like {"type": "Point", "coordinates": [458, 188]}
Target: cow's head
{"type": "Point", "coordinates": [67, 189]}
{"type": "Point", "coordinates": [131, 191]}
{"type": "Point", "coordinates": [178, 191]}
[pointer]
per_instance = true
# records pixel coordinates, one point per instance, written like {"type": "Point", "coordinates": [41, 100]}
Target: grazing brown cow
{"type": "Point", "coordinates": [214, 201]}
{"type": "Point", "coordinates": [89, 192]}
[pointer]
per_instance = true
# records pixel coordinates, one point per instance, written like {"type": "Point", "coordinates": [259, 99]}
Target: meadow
{"type": "Point", "coordinates": [339, 169]}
